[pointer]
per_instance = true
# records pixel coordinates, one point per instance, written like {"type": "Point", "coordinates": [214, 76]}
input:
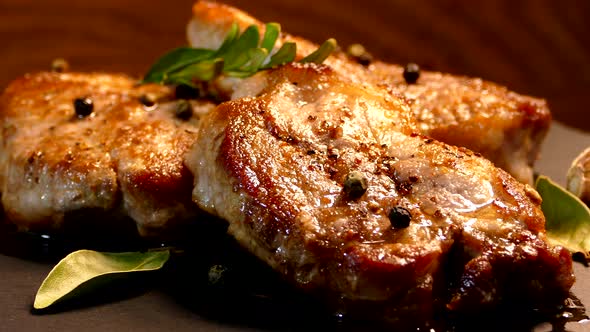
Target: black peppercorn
{"type": "Point", "coordinates": [147, 100]}
{"type": "Point", "coordinates": [411, 73]}
{"type": "Point", "coordinates": [217, 275]}
{"type": "Point", "coordinates": [399, 217]}
{"type": "Point", "coordinates": [83, 106]}
{"type": "Point", "coordinates": [184, 91]}
{"type": "Point", "coordinates": [59, 65]}
{"type": "Point", "coordinates": [355, 184]}
{"type": "Point", "coordinates": [360, 54]}
{"type": "Point", "coordinates": [183, 110]}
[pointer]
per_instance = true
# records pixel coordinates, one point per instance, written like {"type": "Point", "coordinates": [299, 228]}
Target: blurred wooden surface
{"type": "Point", "coordinates": [538, 47]}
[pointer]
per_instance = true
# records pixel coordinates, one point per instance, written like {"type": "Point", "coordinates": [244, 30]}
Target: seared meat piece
{"type": "Point", "coordinates": [437, 227]}
{"type": "Point", "coordinates": [123, 159]}
{"type": "Point", "coordinates": [505, 127]}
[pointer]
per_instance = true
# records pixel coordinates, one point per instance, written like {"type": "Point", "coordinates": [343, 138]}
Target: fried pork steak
{"type": "Point", "coordinates": [331, 184]}
{"type": "Point", "coordinates": [123, 159]}
{"type": "Point", "coordinates": [503, 126]}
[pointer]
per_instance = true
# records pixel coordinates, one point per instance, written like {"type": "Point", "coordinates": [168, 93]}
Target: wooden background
{"type": "Point", "coordinates": [538, 47]}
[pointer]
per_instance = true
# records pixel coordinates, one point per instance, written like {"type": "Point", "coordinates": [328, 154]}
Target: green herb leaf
{"type": "Point", "coordinates": [319, 55]}
{"type": "Point", "coordinates": [240, 55]}
{"type": "Point", "coordinates": [202, 71]}
{"type": "Point", "coordinates": [83, 268]}
{"type": "Point", "coordinates": [284, 55]}
{"type": "Point", "coordinates": [175, 60]}
{"type": "Point", "coordinates": [229, 40]}
{"type": "Point", "coordinates": [237, 54]}
{"type": "Point", "coordinates": [567, 218]}
{"type": "Point", "coordinates": [257, 57]}
{"type": "Point", "coordinates": [271, 34]}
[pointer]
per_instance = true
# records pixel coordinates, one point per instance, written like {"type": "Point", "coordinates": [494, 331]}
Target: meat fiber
{"type": "Point", "coordinates": [332, 184]}
{"type": "Point", "coordinates": [125, 159]}
{"type": "Point", "coordinates": [503, 126]}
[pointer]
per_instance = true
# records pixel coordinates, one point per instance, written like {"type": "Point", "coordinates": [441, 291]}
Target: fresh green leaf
{"type": "Point", "coordinates": [202, 71]}
{"type": "Point", "coordinates": [284, 55]}
{"type": "Point", "coordinates": [271, 34]}
{"type": "Point", "coordinates": [237, 54]}
{"type": "Point", "coordinates": [257, 57]}
{"type": "Point", "coordinates": [236, 62]}
{"type": "Point", "coordinates": [567, 218]}
{"type": "Point", "coordinates": [229, 40]}
{"type": "Point", "coordinates": [174, 60]}
{"type": "Point", "coordinates": [240, 55]}
{"type": "Point", "coordinates": [84, 267]}
{"type": "Point", "coordinates": [319, 55]}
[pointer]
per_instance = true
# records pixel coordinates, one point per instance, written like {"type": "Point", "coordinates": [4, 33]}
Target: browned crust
{"type": "Point", "coordinates": [504, 126]}
{"type": "Point", "coordinates": [274, 191]}
{"type": "Point", "coordinates": [122, 158]}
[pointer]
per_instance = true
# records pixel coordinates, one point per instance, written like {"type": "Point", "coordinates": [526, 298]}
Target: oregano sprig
{"type": "Point", "coordinates": [240, 55]}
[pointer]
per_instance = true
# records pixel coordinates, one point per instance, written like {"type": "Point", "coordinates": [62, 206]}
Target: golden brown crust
{"type": "Point", "coordinates": [503, 126]}
{"type": "Point", "coordinates": [124, 157]}
{"type": "Point", "coordinates": [273, 164]}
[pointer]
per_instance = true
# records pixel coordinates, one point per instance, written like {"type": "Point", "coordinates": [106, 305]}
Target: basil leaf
{"type": "Point", "coordinates": [567, 218]}
{"type": "Point", "coordinates": [319, 55]}
{"type": "Point", "coordinates": [85, 267]}
{"type": "Point", "coordinates": [271, 34]}
{"type": "Point", "coordinates": [174, 60]}
{"type": "Point", "coordinates": [285, 54]}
